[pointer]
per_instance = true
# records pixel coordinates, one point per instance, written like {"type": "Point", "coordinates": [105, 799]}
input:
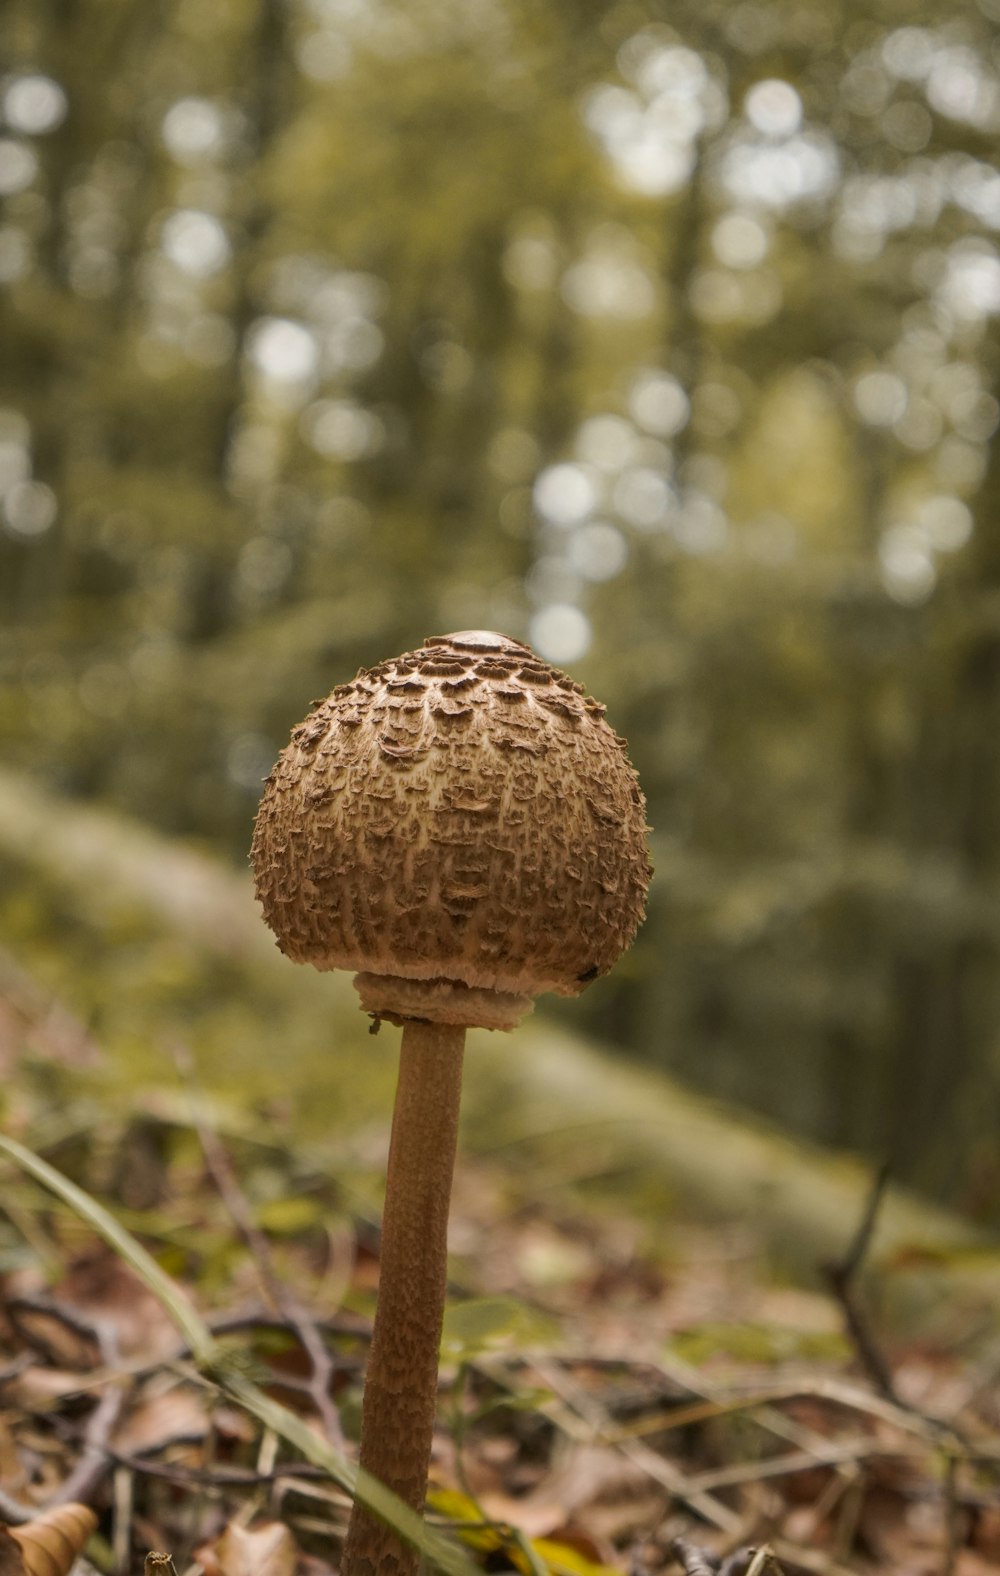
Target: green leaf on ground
{"type": "Point", "coordinates": [484, 1324]}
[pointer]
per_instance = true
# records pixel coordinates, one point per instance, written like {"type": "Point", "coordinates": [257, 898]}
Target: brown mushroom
{"type": "Point", "coordinates": [461, 828]}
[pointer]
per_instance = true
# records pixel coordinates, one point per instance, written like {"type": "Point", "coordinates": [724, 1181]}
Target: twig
{"type": "Point", "coordinates": [124, 1504]}
{"type": "Point", "coordinates": [841, 1275]}
{"type": "Point", "coordinates": [229, 1324]}
{"type": "Point", "coordinates": [158, 1564]}
{"type": "Point", "coordinates": [219, 1477]}
{"type": "Point", "coordinates": [222, 1174]}
{"type": "Point", "coordinates": [713, 1400]}
{"type": "Point", "coordinates": [849, 1517]}
{"type": "Point", "coordinates": [46, 1308]}
{"type": "Point", "coordinates": [761, 1558]}
{"type": "Point", "coordinates": [251, 1319]}
{"type": "Point", "coordinates": [816, 1560]}
{"type": "Point", "coordinates": [15, 1368]}
{"type": "Point", "coordinates": [799, 1461]}
{"type": "Point", "coordinates": [749, 1561]}
{"type": "Point", "coordinates": [836, 1497]}
{"type": "Point", "coordinates": [274, 1293]}
{"type": "Point", "coordinates": [13, 1512]}
{"type": "Point", "coordinates": [94, 1462]}
{"type": "Point", "coordinates": [694, 1561]}
{"type": "Point", "coordinates": [952, 1519]}
{"type": "Point", "coordinates": [655, 1466]}
{"type": "Point", "coordinates": [95, 1459]}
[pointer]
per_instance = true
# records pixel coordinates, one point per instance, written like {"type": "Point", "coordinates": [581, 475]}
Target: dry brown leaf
{"type": "Point", "coordinates": [265, 1550]}
{"type": "Point", "coordinates": [592, 1492]}
{"type": "Point", "coordinates": [47, 1545]}
{"type": "Point", "coordinates": [11, 1558]}
{"type": "Point", "coordinates": [11, 1469]}
{"type": "Point", "coordinates": [230, 1424]}
{"type": "Point", "coordinates": [535, 1517]}
{"type": "Point", "coordinates": [969, 1563]}
{"type": "Point", "coordinates": [102, 1287]}
{"type": "Point", "coordinates": [588, 1474]}
{"type": "Point", "coordinates": [577, 1541]}
{"type": "Point", "coordinates": [169, 1411]}
{"type": "Point", "coordinates": [37, 1388]}
{"type": "Point", "coordinates": [986, 1534]}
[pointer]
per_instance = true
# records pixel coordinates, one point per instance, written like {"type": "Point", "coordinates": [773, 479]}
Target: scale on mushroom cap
{"type": "Point", "coordinates": [461, 828]}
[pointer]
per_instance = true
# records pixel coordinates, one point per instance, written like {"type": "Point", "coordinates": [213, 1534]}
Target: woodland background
{"type": "Point", "coordinates": [663, 337]}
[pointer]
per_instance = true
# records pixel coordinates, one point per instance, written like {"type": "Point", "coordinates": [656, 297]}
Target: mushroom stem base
{"type": "Point", "coordinates": [400, 1397]}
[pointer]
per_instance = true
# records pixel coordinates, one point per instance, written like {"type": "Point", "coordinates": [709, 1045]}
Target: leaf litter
{"type": "Point", "coordinates": [614, 1397]}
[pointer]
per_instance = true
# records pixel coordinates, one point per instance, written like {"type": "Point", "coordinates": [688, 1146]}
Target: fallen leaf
{"type": "Point", "coordinates": [565, 1559]}
{"type": "Point", "coordinates": [11, 1555]}
{"type": "Point", "coordinates": [37, 1388]}
{"type": "Point", "coordinates": [163, 1416]}
{"type": "Point", "coordinates": [531, 1514]}
{"type": "Point", "coordinates": [102, 1287]}
{"type": "Point", "coordinates": [48, 1544]}
{"type": "Point", "coordinates": [266, 1550]}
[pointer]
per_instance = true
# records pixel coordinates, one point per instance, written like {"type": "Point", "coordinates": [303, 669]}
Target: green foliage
{"type": "Point", "coordinates": [484, 1324]}
{"type": "Point", "coordinates": [756, 1343]}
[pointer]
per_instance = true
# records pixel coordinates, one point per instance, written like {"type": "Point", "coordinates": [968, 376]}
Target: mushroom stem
{"type": "Point", "coordinates": [400, 1398]}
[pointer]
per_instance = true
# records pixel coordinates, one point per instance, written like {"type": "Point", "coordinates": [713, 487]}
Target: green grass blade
{"type": "Point", "coordinates": [195, 1332]}
{"type": "Point", "coordinates": [439, 1550]}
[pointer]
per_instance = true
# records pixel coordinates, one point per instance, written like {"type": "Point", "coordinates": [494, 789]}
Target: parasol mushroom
{"type": "Point", "coordinates": [462, 829]}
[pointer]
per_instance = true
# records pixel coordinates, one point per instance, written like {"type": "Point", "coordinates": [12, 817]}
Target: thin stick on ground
{"type": "Point", "coordinates": [841, 1276]}
{"type": "Point", "coordinates": [275, 1294]}
{"type": "Point", "coordinates": [657, 1467]}
{"type": "Point", "coordinates": [95, 1460]}
{"type": "Point", "coordinates": [694, 1561]}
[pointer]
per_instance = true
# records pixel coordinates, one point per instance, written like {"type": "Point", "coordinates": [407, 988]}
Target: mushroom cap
{"type": "Point", "coordinates": [462, 828]}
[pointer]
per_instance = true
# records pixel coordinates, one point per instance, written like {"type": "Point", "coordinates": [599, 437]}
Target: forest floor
{"type": "Point", "coordinates": [675, 1342]}
{"type": "Point", "coordinates": [605, 1404]}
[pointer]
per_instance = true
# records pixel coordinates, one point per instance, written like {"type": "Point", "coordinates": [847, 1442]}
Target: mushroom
{"type": "Point", "coordinates": [462, 829]}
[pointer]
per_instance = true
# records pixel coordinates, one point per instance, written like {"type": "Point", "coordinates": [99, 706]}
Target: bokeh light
{"type": "Point", "coordinates": [659, 403]}
{"type": "Point", "coordinates": [196, 242]}
{"type": "Point", "coordinates": [283, 351]}
{"type": "Point", "coordinates": [774, 108]}
{"type": "Point", "coordinates": [561, 632]}
{"type": "Point", "coordinates": [565, 494]}
{"type": "Point", "coordinates": [33, 104]}
{"type": "Point", "coordinates": [194, 130]}
{"type": "Point", "coordinates": [18, 166]}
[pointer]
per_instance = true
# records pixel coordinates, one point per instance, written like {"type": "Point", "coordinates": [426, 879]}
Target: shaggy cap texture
{"type": "Point", "coordinates": [462, 828]}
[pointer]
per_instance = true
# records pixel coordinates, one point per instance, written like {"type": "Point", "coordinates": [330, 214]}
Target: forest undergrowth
{"type": "Point", "coordinates": [183, 1342]}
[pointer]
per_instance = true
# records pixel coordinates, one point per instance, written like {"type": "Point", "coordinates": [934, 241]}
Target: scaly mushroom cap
{"type": "Point", "coordinates": [460, 826]}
